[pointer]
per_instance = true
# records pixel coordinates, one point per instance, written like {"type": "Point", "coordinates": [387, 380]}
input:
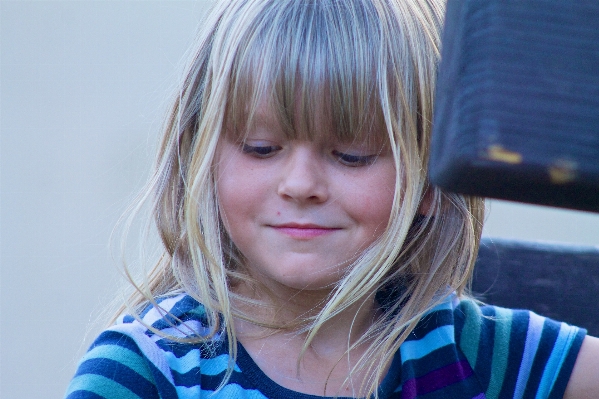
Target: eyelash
{"type": "Point", "coordinates": [354, 160]}
{"type": "Point", "coordinates": [260, 151]}
{"type": "Point", "coordinates": [345, 159]}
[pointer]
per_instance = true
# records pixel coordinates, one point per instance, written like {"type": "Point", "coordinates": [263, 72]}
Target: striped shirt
{"type": "Point", "coordinates": [458, 350]}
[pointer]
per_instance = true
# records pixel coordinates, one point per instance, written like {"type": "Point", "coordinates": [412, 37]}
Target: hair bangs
{"type": "Point", "coordinates": [312, 66]}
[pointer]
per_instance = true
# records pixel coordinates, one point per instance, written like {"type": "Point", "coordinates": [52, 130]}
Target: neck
{"type": "Point", "coordinates": [276, 334]}
{"type": "Point", "coordinates": [284, 310]}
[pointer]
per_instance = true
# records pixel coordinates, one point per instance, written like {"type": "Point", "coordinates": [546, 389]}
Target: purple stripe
{"type": "Point", "coordinates": [437, 379]}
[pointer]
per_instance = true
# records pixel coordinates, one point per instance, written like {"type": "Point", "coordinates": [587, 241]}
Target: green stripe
{"type": "Point", "coordinates": [501, 349]}
{"type": "Point", "coordinates": [122, 355]}
{"type": "Point", "coordinates": [471, 332]}
{"type": "Point", "coordinates": [100, 385]}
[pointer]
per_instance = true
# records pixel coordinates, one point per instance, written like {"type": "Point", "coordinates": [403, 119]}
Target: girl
{"type": "Point", "coordinates": [304, 253]}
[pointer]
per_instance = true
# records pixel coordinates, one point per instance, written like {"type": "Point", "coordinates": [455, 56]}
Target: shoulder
{"type": "Point", "coordinates": [143, 357]}
{"type": "Point", "coordinates": [516, 353]}
{"type": "Point", "coordinates": [176, 316]}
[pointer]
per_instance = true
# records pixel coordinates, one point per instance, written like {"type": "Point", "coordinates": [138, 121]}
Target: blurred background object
{"type": "Point", "coordinates": [83, 87]}
{"type": "Point", "coordinates": [517, 107]}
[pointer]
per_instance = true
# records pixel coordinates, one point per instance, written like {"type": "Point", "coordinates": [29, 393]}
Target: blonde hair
{"type": "Point", "coordinates": [375, 63]}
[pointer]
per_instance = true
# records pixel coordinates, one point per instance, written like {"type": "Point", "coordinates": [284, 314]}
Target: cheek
{"type": "Point", "coordinates": [372, 199]}
{"type": "Point", "coordinates": [240, 191]}
{"type": "Point", "coordinates": [380, 202]}
{"type": "Point", "coordinates": [229, 185]}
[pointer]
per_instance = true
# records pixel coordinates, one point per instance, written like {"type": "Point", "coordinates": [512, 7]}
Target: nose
{"type": "Point", "coordinates": [303, 177]}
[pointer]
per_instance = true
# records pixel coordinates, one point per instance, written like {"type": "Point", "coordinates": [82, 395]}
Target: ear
{"type": "Point", "coordinates": [426, 202]}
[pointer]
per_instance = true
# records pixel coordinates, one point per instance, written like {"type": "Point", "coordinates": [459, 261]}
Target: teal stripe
{"type": "Point", "coordinates": [564, 341]}
{"type": "Point", "coordinates": [100, 385]}
{"type": "Point", "coordinates": [123, 356]}
{"type": "Point", "coordinates": [470, 337]}
{"type": "Point", "coordinates": [435, 339]}
{"type": "Point", "coordinates": [501, 351]}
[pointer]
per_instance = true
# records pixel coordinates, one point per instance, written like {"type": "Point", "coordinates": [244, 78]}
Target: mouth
{"type": "Point", "coordinates": [303, 231]}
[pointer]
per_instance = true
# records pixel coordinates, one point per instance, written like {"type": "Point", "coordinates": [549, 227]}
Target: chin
{"type": "Point", "coordinates": [301, 283]}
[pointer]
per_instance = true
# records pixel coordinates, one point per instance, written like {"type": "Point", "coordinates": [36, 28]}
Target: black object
{"type": "Point", "coordinates": [517, 103]}
{"type": "Point", "coordinates": [556, 281]}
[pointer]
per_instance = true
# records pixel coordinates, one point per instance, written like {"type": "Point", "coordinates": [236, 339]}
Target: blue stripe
{"type": "Point", "coordinates": [116, 338]}
{"type": "Point", "coordinates": [533, 336]}
{"type": "Point", "coordinates": [193, 392]}
{"type": "Point", "coordinates": [216, 366]}
{"type": "Point", "coordinates": [430, 322]}
{"type": "Point", "coordinates": [184, 363]}
{"type": "Point", "coordinates": [558, 354]}
{"type": "Point", "coordinates": [546, 343]}
{"type": "Point", "coordinates": [193, 359]}
{"type": "Point", "coordinates": [517, 343]}
{"type": "Point", "coordinates": [446, 305]}
{"type": "Point", "coordinates": [437, 338]}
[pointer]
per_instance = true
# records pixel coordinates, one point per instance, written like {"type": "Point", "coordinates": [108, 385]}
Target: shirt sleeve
{"type": "Point", "coordinates": [517, 353]}
{"type": "Point", "coordinates": [118, 365]}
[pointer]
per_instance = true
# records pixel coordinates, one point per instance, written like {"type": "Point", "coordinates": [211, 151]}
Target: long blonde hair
{"type": "Point", "coordinates": [375, 61]}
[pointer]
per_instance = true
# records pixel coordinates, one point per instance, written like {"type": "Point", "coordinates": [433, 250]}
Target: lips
{"type": "Point", "coordinates": [303, 230]}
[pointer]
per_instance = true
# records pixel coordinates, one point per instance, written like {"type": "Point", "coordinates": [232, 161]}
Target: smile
{"type": "Point", "coordinates": [303, 231]}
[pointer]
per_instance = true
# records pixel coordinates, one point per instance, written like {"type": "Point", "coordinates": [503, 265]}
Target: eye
{"type": "Point", "coordinates": [261, 151]}
{"type": "Point", "coordinates": [354, 160]}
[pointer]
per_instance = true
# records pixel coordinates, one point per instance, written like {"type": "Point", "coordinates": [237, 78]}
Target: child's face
{"type": "Point", "coordinates": [301, 211]}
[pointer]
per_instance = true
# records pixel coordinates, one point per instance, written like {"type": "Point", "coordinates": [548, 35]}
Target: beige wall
{"type": "Point", "coordinates": [82, 87]}
{"type": "Point", "coordinates": [531, 222]}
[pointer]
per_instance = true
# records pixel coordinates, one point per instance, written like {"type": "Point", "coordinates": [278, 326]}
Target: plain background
{"type": "Point", "coordinates": [83, 89]}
